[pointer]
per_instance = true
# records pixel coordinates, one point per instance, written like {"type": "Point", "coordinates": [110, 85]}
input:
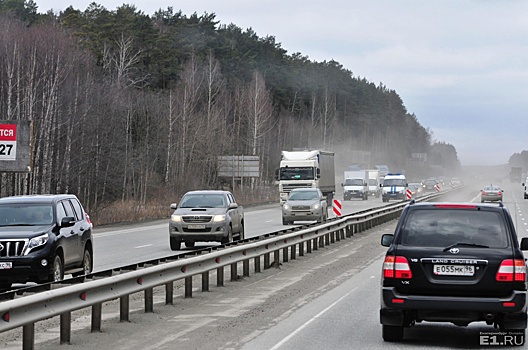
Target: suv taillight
{"type": "Point", "coordinates": [511, 271]}
{"type": "Point", "coordinates": [396, 267]}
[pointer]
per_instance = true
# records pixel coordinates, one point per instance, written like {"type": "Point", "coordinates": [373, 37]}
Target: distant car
{"type": "Point", "coordinates": [304, 204]}
{"type": "Point", "coordinates": [456, 263]}
{"type": "Point", "coordinates": [455, 182]}
{"type": "Point", "coordinates": [415, 188]}
{"type": "Point", "coordinates": [491, 194]}
{"type": "Point", "coordinates": [42, 238]}
{"type": "Point", "coordinates": [429, 185]}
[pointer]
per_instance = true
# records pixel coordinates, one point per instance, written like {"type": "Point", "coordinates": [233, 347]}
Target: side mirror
{"type": "Point", "coordinates": [524, 243]}
{"type": "Point", "coordinates": [233, 205]}
{"type": "Point", "coordinates": [386, 239]}
{"type": "Point", "coordinates": [174, 205]}
{"type": "Point", "coordinates": [67, 221]}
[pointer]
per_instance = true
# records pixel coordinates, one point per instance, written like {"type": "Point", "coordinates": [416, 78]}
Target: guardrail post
{"type": "Point", "coordinates": [149, 300]}
{"type": "Point", "coordinates": [188, 287]}
{"type": "Point", "coordinates": [124, 303]}
{"type": "Point", "coordinates": [97, 316]}
{"type": "Point", "coordinates": [169, 293]}
{"type": "Point", "coordinates": [234, 272]}
{"type": "Point", "coordinates": [28, 336]}
{"type": "Point", "coordinates": [276, 257]}
{"type": "Point", "coordinates": [266, 261]}
{"type": "Point", "coordinates": [301, 249]}
{"type": "Point", "coordinates": [332, 237]}
{"type": "Point", "coordinates": [293, 251]}
{"type": "Point", "coordinates": [256, 262]}
{"type": "Point", "coordinates": [205, 281]}
{"type": "Point", "coordinates": [321, 241]}
{"type": "Point", "coordinates": [65, 328]}
{"type": "Point", "coordinates": [245, 268]}
{"type": "Point", "coordinates": [220, 277]}
{"type": "Point", "coordinates": [285, 254]}
{"type": "Point", "coordinates": [315, 243]}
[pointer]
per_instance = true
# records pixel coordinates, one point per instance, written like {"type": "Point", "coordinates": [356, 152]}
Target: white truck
{"type": "Point", "coordinates": [374, 182]}
{"type": "Point", "coordinates": [355, 184]}
{"type": "Point", "coordinates": [394, 186]}
{"type": "Point", "coordinates": [311, 168]}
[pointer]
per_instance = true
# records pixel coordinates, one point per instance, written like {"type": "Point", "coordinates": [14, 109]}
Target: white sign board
{"type": "Point", "coordinates": [8, 141]}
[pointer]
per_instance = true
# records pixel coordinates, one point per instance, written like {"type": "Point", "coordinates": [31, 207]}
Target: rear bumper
{"type": "Point", "coordinates": [510, 310]}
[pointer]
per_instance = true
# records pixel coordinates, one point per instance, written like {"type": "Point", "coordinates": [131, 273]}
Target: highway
{"type": "Point", "coordinates": [325, 300]}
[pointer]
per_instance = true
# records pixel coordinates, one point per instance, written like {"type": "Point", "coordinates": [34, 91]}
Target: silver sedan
{"type": "Point", "coordinates": [491, 194]}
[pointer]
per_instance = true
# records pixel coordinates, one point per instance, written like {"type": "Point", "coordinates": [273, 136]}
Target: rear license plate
{"type": "Point", "coordinates": [454, 270]}
{"type": "Point", "coordinates": [196, 227]}
{"type": "Point", "coordinates": [6, 265]}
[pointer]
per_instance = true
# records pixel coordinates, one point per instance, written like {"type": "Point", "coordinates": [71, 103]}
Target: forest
{"type": "Point", "coordinates": [130, 111]}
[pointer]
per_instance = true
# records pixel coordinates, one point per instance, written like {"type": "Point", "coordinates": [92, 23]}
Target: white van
{"type": "Point", "coordinates": [394, 186]}
{"type": "Point", "coordinates": [525, 184]}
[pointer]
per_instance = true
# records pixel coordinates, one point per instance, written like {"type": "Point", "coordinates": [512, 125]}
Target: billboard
{"type": "Point", "coordinates": [15, 146]}
{"type": "Point", "coordinates": [238, 166]}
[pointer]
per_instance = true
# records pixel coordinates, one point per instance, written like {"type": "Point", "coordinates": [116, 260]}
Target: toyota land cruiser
{"type": "Point", "coordinates": [453, 262]}
{"type": "Point", "coordinates": [42, 237]}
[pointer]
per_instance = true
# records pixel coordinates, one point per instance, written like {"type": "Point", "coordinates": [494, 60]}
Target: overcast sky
{"type": "Point", "coordinates": [461, 66]}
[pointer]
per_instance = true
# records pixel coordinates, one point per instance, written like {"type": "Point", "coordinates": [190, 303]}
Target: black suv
{"type": "Point", "coordinates": [453, 262]}
{"type": "Point", "coordinates": [42, 237]}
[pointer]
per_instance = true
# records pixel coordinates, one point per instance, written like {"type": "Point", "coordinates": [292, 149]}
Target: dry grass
{"type": "Point", "coordinates": [134, 211]}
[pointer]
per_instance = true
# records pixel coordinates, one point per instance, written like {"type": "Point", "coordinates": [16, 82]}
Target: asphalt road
{"type": "Point", "coordinates": [325, 300]}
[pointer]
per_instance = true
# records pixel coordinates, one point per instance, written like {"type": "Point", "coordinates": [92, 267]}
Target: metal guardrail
{"type": "Point", "coordinates": [25, 311]}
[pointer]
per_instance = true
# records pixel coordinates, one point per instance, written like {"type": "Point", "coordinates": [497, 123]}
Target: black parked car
{"type": "Point", "coordinates": [453, 262]}
{"type": "Point", "coordinates": [43, 237]}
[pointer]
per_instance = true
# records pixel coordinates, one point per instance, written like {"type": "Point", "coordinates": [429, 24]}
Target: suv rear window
{"type": "Point", "coordinates": [441, 228]}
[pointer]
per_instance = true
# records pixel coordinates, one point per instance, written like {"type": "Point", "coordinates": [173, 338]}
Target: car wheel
{"type": "Point", "coordinates": [229, 237]}
{"type": "Point", "coordinates": [174, 244]}
{"type": "Point", "coordinates": [57, 272]}
{"type": "Point", "coordinates": [87, 264]}
{"type": "Point", "coordinates": [241, 234]}
{"type": "Point", "coordinates": [189, 244]}
{"type": "Point", "coordinates": [392, 333]}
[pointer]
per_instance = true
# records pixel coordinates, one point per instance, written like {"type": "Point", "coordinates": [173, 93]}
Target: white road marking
{"type": "Point", "coordinates": [143, 246]}
{"type": "Point", "coordinates": [279, 344]}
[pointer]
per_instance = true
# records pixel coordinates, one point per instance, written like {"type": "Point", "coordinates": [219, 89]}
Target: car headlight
{"type": "Point", "coordinates": [316, 206]}
{"type": "Point", "coordinates": [37, 242]}
{"type": "Point", "coordinates": [176, 218]}
{"type": "Point", "coordinates": [286, 206]}
{"type": "Point", "coordinates": [219, 218]}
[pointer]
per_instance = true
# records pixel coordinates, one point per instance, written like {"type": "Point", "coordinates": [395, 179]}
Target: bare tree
{"type": "Point", "coordinates": [258, 111]}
